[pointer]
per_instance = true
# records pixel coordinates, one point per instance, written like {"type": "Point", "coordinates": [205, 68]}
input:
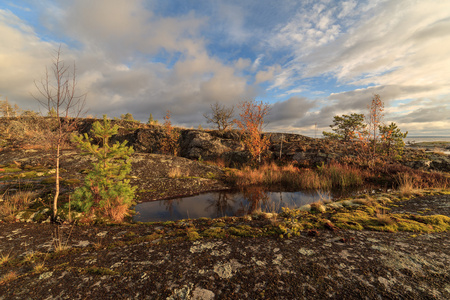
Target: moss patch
{"type": "Point", "coordinates": [359, 220]}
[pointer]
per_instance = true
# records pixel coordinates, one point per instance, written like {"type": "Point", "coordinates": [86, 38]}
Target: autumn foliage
{"type": "Point", "coordinates": [169, 143]}
{"type": "Point", "coordinates": [251, 125]}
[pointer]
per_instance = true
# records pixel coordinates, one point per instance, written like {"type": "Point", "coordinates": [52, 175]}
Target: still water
{"type": "Point", "coordinates": [225, 203]}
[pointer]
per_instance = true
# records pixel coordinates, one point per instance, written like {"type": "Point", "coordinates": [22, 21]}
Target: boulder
{"type": "Point", "coordinates": [197, 144]}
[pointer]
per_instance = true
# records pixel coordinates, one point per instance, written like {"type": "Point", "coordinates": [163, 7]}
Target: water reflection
{"type": "Point", "coordinates": [225, 203]}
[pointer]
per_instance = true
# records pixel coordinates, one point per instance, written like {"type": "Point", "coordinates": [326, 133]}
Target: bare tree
{"type": "Point", "coordinates": [57, 94]}
{"type": "Point", "coordinates": [221, 116]}
{"type": "Point", "coordinates": [375, 120]}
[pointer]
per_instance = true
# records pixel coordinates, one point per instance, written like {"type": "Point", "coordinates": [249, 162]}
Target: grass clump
{"type": "Point", "coordinates": [39, 267]}
{"type": "Point", "coordinates": [175, 173]}
{"type": "Point", "coordinates": [406, 185]}
{"type": "Point", "coordinates": [11, 275]}
{"type": "Point", "coordinates": [16, 202]}
{"type": "Point", "coordinates": [5, 258]}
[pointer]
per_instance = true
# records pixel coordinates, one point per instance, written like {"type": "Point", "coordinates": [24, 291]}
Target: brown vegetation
{"type": "Point", "coordinates": [251, 125]}
{"type": "Point", "coordinates": [169, 143]}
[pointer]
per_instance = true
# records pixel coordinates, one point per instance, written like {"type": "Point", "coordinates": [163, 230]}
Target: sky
{"type": "Point", "coordinates": [309, 60]}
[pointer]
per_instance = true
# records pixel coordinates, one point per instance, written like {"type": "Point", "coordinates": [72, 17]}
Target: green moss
{"type": "Point", "coordinates": [101, 271]}
{"type": "Point", "coordinates": [244, 231]}
{"type": "Point", "coordinates": [6, 178]}
{"type": "Point", "coordinates": [71, 182]}
{"type": "Point", "coordinates": [285, 229]}
{"type": "Point", "coordinates": [147, 191]}
{"type": "Point", "coordinates": [210, 175]}
{"type": "Point", "coordinates": [438, 222]}
{"type": "Point", "coordinates": [215, 232]}
{"type": "Point", "coordinates": [49, 180]}
{"type": "Point", "coordinates": [10, 169]}
{"type": "Point", "coordinates": [219, 224]}
{"type": "Point", "coordinates": [361, 219]}
{"type": "Point", "coordinates": [193, 235]}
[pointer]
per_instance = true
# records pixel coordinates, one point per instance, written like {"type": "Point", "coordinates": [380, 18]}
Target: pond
{"type": "Point", "coordinates": [224, 203]}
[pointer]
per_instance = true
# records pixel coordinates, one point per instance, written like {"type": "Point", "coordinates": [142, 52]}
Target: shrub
{"type": "Point", "coordinates": [105, 191]}
{"type": "Point", "coordinates": [169, 143]}
{"type": "Point", "coordinates": [251, 124]}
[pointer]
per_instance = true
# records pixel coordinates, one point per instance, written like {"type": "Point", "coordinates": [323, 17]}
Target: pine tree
{"type": "Point", "coordinates": [346, 127]}
{"type": "Point", "coordinates": [127, 117]}
{"type": "Point", "coordinates": [392, 143]}
{"type": "Point", "coordinates": [106, 192]}
{"type": "Point", "coordinates": [152, 121]}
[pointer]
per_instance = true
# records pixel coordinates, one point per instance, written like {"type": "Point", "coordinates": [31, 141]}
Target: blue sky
{"type": "Point", "coordinates": [310, 60]}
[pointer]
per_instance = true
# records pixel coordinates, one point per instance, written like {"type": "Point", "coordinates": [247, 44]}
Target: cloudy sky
{"type": "Point", "coordinates": [310, 60]}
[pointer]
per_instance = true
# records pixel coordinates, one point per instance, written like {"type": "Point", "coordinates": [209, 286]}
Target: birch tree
{"type": "Point", "coordinates": [57, 93]}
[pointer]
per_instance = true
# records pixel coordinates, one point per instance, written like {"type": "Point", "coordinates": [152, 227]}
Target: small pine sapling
{"type": "Point", "coordinates": [106, 192]}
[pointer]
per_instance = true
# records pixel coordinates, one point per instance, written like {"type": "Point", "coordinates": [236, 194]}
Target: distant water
{"type": "Point", "coordinates": [419, 139]}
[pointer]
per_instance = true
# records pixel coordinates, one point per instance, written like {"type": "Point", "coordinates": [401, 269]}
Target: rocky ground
{"type": "Point", "coordinates": [161, 261]}
{"type": "Point", "coordinates": [157, 176]}
{"type": "Point", "coordinates": [227, 258]}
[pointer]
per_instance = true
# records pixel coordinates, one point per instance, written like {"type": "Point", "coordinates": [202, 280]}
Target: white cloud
{"type": "Point", "coordinates": [131, 58]}
{"type": "Point", "coordinates": [117, 78]}
{"type": "Point", "coordinates": [268, 74]}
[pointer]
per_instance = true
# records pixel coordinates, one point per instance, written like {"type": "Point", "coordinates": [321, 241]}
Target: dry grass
{"type": "Point", "coordinates": [326, 177]}
{"type": "Point", "coordinates": [384, 219]}
{"type": "Point", "coordinates": [117, 212]}
{"type": "Point", "coordinates": [318, 207]}
{"type": "Point", "coordinates": [15, 202]}
{"type": "Point", "coordinates": [219, 162]}
{"type": "Point", "coordinates": [8, 277]}
{"type": "Point", "coordinates": [38, 267]}
{"type": "Point", "coordinates": [29, 257]}
{"type": "Point", "coordinates": [5, 258]}
{"type": "Point", "coordinates": [175, 173]}
{"type": "Point", "coordinates": [59, 244]}
{"type": "Point", "coordinates": [406, 185]}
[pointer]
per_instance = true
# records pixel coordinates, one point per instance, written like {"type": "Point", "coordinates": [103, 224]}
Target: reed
{"type": "Point", "coordinates": [406, 185]}
{"type": "Point", "coordinates": [289, 176]}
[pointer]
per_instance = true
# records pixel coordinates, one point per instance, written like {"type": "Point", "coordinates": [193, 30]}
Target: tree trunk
{"type": "Point", "coordinates": [55, 200]}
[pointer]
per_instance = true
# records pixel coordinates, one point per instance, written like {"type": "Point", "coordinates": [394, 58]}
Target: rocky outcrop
{"type": "Point", "coordinates": [198, 144]}
{"type": "Point", "coordinates": [228, 146]}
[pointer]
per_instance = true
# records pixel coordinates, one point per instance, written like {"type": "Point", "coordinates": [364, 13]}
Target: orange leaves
{"type": "Point", "coordinates": [251, 124]}
{"type": "Point", "coordinates": [169, 143]}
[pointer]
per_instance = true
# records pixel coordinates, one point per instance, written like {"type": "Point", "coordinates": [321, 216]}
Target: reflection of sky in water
{"type": "Point", "coordinates": [219, 204]}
